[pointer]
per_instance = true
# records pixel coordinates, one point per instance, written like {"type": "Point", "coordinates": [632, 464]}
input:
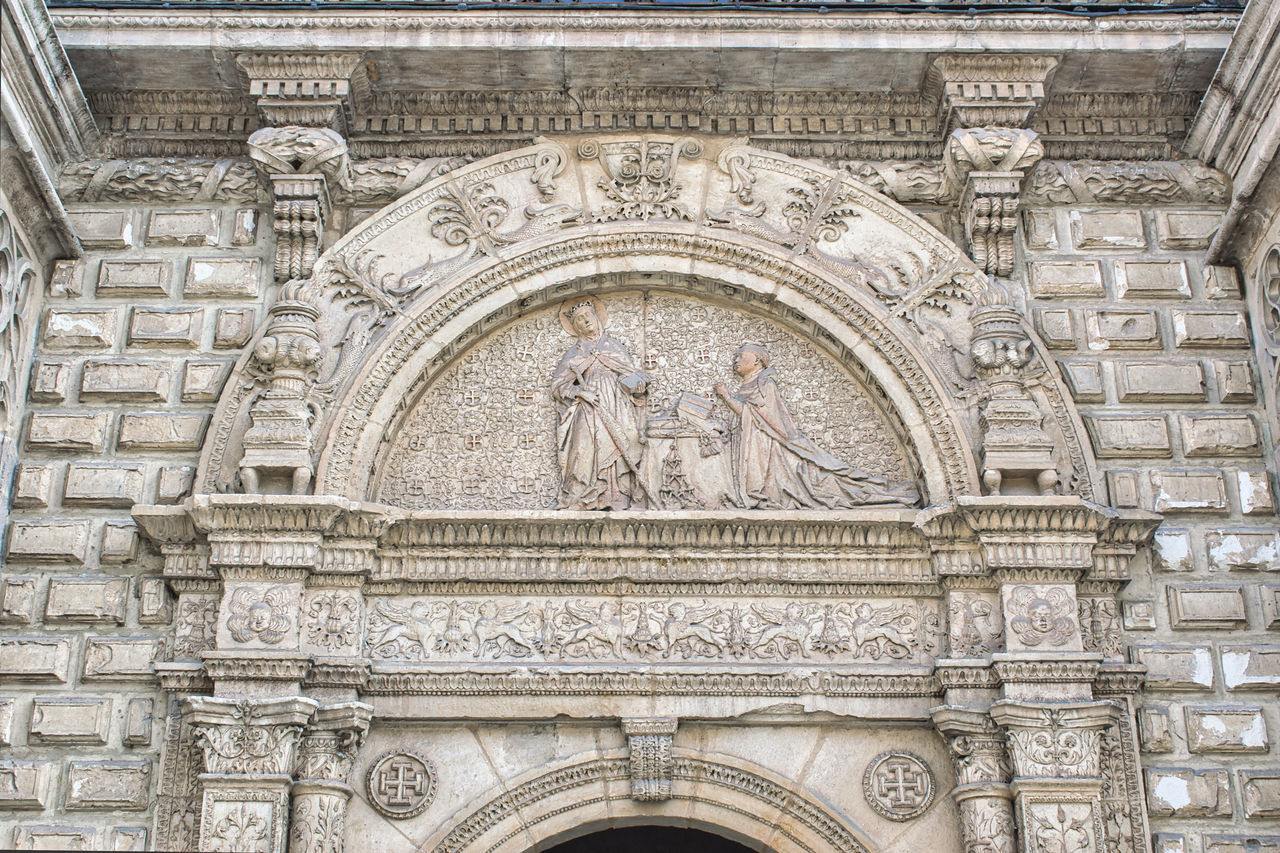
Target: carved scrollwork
{"type": "Point", "coordinates": [294, 150]}
{"type": "Point", "coordinates": [246, 739]}
{"type": "Point", "coordinates": [640, 180]}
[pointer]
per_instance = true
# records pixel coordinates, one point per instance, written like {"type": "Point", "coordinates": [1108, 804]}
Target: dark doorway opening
{"type": "Point", "coordinates": [650, 839]}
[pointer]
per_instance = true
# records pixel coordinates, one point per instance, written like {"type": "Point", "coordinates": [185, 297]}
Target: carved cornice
{"type": "Point", "coordinates": [256, 666]}
{"type": "Point", "coordinates": [991, 89]}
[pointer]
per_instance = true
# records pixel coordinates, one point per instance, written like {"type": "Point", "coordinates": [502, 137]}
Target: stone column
{"type": "Point", "coordinates": [1056, 754]}
{"type": "Point", "coordinates": [249, 751]}
{"type": "Point", "coordinates": [320, 794]}
{"type": "Point", "coordinates": [982, 790]}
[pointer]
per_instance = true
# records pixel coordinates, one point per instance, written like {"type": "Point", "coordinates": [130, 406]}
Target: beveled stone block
{"type": "Point", "coordinates": [1152, 279]}
{"type": "Point", "coordinates": [1234, 381]}
{"type": "Point", "coordinates": [1121, 330]}
{"type": "Point", "coordinates": [1107, 229]}
{"type": "Point", "coordinates": [165, 327]}
{"type": "Point", "coordinates": [33, 486]}
{"type": "Point", "coordinates": [1125, 488]}
{"type": "Point", "coordinates": [133, 278]}
{"type": "Point", "coordinates": [1210, 329]}
{"type": "Point", "coordinates": [104, 485]}
{"type": "Point", "coordinates": [49, 541]}
{"type": "Point", "coordinates": [1138, 615]}
{"type": "Point", "coordinates": [70, 720]}
{"type": "Point", "coordinates": [138, 719]}
{"type": "Point", "coordinates": [1245, 549]}
{"type": "Point", "coordinates": [245, 229]}
{"type": "Point", "coordinates": [1256, 496]}
{"type": "Point", "coordinates": [1169, 842]}
{"type": "Point", "coordinates": [1206, 607]}
{"type": "Point", "coordinates": [116, 785]}
{"type": "Point", "coordinates": [1084, 378]}
{"type": "Point", "coordinates": [1154, 728]}
{"type": "Point", "coordinates": [18, 599]}
{"type": "Point", "coordinates": [1176, 667]}
{"type": "Point", "coordinates": [119, 541]}
{"type": "Point", "coordinates": [1171, 551]}
{"type": "Point", "coordinates": [1160, 380]}
{"type": "Point", "coordinates": [233, 328]}
{"type": "Point", "coordinates": [1188, 491]}
{"type": "Point", "coordinates": [222, 278]}
{"type": "Point", "coordinates": [35, 658]}
{"type": "Point", "coordinates": [1040, 230]}
{"type": "Point", "coordinates": [1219, 434]}
{"type": "Point", "coordinates": [103, 229]}
{"type": "Point", "coordinates": [121, 658]}
{"type": "Point", "coordinates": [26, 784]}
{"type": "Point", "coordinates": [183, 228]}
{"type": "Point", "coordinates": [1270, 597]}
{"type": "Point", "coordinates": [87, 599]}
{"type": "Point", "coordinates": [1251, 667]}
{"type": "Point", "coordinates": [80, 329]}
{"type": "Point", "coordinates": [68, 431]}
{"type": "Point", "coordinates": [54, 837]}
{"type": "Point", "coordinates": [1227, 729]}
{"type": "Point", "coordinates": [67, 279]}
{"type": "Point", "coordinates": [7, 704]}
{"type": "Point", "coordinates": [1056, 326]}
{"type": "Point", "coordinates": [1187, 229]}
{"type": "Point", "coordinates": [126, 379]}
{"type": "Point", "coordinates": [202, 380]}
{"type": "Point", "coordinates": [1129, 435]}
{"type": "Point", "coordinates": [1260, 793]}
{"type": "Point", "coordinates": [161, 431]}
{"type": "Point", "coordinates": [1188, 793]}
{"type": "Point", "coordinates": [49, 381]}
{"type": "Point", "coordinates": [1221, 282]}
{"type": "Point", "coordinates": [129, 838]}
{"type": "Point", "coordinates": [1241, 843]}
{"type": "Point", "coordinates": [1059, 279]}
{"type": "Point", "coordinates": [174, 483]}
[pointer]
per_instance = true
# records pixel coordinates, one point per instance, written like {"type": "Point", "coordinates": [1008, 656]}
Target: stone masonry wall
{"type": "Point", "coordinates": [135, 342]}
{"type": "Point", "coordinates": [1157, 352]}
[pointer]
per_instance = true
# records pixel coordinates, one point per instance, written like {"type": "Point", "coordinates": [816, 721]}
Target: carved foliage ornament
{"type": "Point", "coordinates": [640, 180]}
{"type": "Point", "coordinates": [247, 745]}
{"type": "Point", "coordinates": [898, 785]}
{"type": "Point", "coordinates": [401, 784]}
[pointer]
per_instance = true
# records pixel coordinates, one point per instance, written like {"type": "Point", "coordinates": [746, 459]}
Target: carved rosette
{"type": "Point", "coordinates": [982, 779]}
{"type": "Point", "coordinates": [649, 741]}
{"type": "Point", "coordinates": [325, 756]}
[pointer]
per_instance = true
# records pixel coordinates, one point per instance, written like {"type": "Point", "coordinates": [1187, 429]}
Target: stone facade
{"type": "Point", "coordinates": [872, 454]}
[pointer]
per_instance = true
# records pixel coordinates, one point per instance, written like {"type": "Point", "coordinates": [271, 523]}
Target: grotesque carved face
{"type": "Point", "coordinates": [586, 323]}
{"type": "Point", "coordinates": [1040, 614]}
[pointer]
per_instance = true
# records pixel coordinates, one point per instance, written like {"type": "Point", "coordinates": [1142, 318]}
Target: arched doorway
{"type": "Point", "coordinates": [647, 838]}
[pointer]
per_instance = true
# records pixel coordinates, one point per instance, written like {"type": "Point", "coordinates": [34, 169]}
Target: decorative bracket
{"type": "Point", "coordinates": [312, 90]}
{"type": "Point", "coordinates": [650, 743]}
{"type": "Point", "coordinates": [985, 168]}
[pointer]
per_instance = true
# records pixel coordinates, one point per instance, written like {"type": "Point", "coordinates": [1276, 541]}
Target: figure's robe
{"type": "Point", "coordinates": [600, 442]}
{"type": "Point", "coordinates": [779, 467]}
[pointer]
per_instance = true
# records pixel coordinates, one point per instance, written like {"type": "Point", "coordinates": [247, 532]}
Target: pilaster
{"type": "Point", "coordinates": [319, 796]}
{"type": "Point", "coordinates": [982, 791]}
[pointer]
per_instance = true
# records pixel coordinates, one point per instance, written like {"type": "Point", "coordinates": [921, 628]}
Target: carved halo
{"type": "Point", "coordinates": [566, 312]}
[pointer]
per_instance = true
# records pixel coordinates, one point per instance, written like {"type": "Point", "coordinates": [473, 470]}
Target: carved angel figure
{"type": "Point", "coordinates": [600, 395]}
{"type": "Point", "coordinates": [776, 465]}
{"type": "Point", "coordinates": [258, 614]}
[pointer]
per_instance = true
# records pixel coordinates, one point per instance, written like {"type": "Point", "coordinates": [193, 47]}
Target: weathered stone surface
{"type": "Point", "coordinates": [202, 380]}
{"type": "Point", "coordinates": [1154, 728]}
{"type": "Point", "coordinates": [1138, 615]}
{"type": "Point", "coordinates": [1210, 329]}
{"type": "Point", "coordinates": [227, 278]}
{"type": "Point", "coordinates": [1188, 491]}
{"type": "Point", "coordinates": [18, 599]}
{"type": "Point", "coordinates": [1207, 607]}
{"type": "Point", "coordinates": [104, 485]}
{"type": "Point", "coordinates": [103, 229]}
{"type": "Point", "coordinates": [78, 431]}
{"type": "Point", "coordinates": [33, 486]}
{"type": "Point", "coordinates": [1129, 435]}
{"type": "Point", "coordinates": [1176, 667]}
{"type": "Point", "coordinates": [70, 720]}
{"type": "Point", "coordinates": [1066, 278]}
{"type": "Point", "coordinates": [49, 381]}
{"type": "Point", "coordinates": [165, 327]}
{"type": "Point", "coordinates": [183, 228]}
{"type": "Point", "coordinates": [1250, 667]}
{"type": "Point", "coordinates": [1109, 229]}
{"type": "Point", "coordinates": [126, 379]}
{"type": "Point", "coordinates": [1234, 381]}
{"type": "Point", "coordinates": [129, 838]}
{"type": "Point", "coordinates": [1226, 729]}
{"type": "Point", "coordinates": [1040, 230]}
{"type": "Point", "coordinates": [174, 483]}
{"type": "Point", "coordinates": [134, 278]}
{"type": "Point", "coordinates": [1130, 330]}
{"type": "Point", "coordinates": [1244, 550]}
{"type": "Point", "coordinates": [122, 785]}
{"type": "Point", "coordinates": [1221, 282]}
{"type": "Point", "coordinates": [87, 599]}
{"type": "Point", "coordinates": [1084, 378]}
{"type": "Point", "coordinates": [121, 658]}
{"type": "Point", "coordinates": [1218, 843]}
{"type": "Point", "coordinates": [1160, 381]}
{"type": "Point", "coordinates": [245, 227]}
{"type": "Point", "coordinates": [1169, 842]}
{"type": "Point", "coordinates": [1125, 488]}
{"type": "Point", "coordinates": [67, 279]}
{"type": "Point", "coordinates": [233, 328]}
{"type": "Point", "coordinates": [26, 784]}
{"type": "Point", "coordinates": [1148, 279]}
{"type": "Point", "coordinates": [154, 607]}
{"type": "Point", "coordinates": [1172, 552]}
{"type": "Point", "coordinates": [161, 431]}
{"type": "Point", "coordinates": [1056, 326]}
{"type": "Point", "coordinates": [1219, 434]}
{"type": "Point", "coordinates": [1188, 793]}
{"type": "Point", "coordinates": [49, 541]}
{"type": "Point", "coordinates": [35, 658]}
{"type": "Point", "coordinates": [138, 720]}
{"type": "Point", "coordinates": [119, 542]}
{"type": "Point", "coordinates": [1186, 229]}
{"type": "Point", "coordinates": [7, 704]}
{"type": "Point", "coordinates": [1256, 495]}
{"type": "Point", "coordinates": [1260, 793]}
{"type": "Point", "coordinates": [77, 329]}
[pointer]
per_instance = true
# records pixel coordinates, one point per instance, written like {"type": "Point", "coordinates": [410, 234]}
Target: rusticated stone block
{"type": "Point", "coordinates": [68, 329]}
{"type": "Point", "coordinates": [1152, 279]}
{"type": "Point", "coordinates": [1260, 793]}
{"type": "Point", "coordinates": [119, 541]}
{"type": "Point", "coordinates": [1256, 497]}
{"type": "Point", "coordinates": [108, 784]}
{"type": "Point", "coordinates": [1084, 378]}
{"type": "Point", "coordinates": [1125, 488]}
{"type": "Point", "coordinates": [202, 380]}
{"type": "Point", "coordinates": [49, 381]}
{"type": "Point", "coordinates": [1169, 842]}
{"type": "Point", "coordinates": [7, 704]}
{"type": "Point", "coordinates": [1129, 435]}
{"type": "Point", "coordinates": [26, 784]}
{"type": "Point", "coordinates": [70, 720]}
{"type": "Point", "coordinates": [103, 229]}
{"type": "Point", "coordinates": [160, 431]}
{"type": "Point", "coordinates": [18, 599]}
{"type": "Point", "coordinates": [129, 838]}
{"type": "Point", "coordinates": [244, 232]}
{"type": "Point", "coordinates": [67, 279]}
{"type": "Point", "coordinates": [1186, 229]}
{"type": "Point", "coordinates": [49, 541]}
{"type": "Point", "coordinates": [104, 485]}
{"type": "Point", "coordinates": [33, 486]}
{"type": "Point", "coordinates": [120, 658]}
{"type": "Point", "coordinates": [54, 837]}
{"type": "Point", "coordinates": [1244, 550]}
{"type": "Point", "coordinates": [1242, 843]}
{"type": "Point", "coordinates": [1056, 326]}
{"type": "Point", "coordinates": [1221, 283]}
{"type": "Point", "coordinates": [1138, 615]}
{"type": "Point", "coordinates": [1160, 380]}
{"type": "Point", "coordinates": [1121, 330]}
{"type": "Point", "coordinates": [1188, 793]}
{"type": "Point", "coordinates": [35, 659]}
{"type": "Point", "coordinates": [138, 719]}
{"type": "Point", "coordinates": [1234, 381]}
{"type": "Point", "coordinates": [1107, 229]}
{"type": "Point", "coordinates": [1065, 278]}
{"type": "Point", "coordinates": [126, 379]}
{"type": "Point", "coordinates": [1206, 607]}
{"type": "Point", "coordinates": [87, 599]}
{"type": "Point", "coordinates": [222, 278]}
{"type": "Point", "coordinates": [1236, 729]}
{"type": "Point", "coordinates": [1176, 667]}
{"type": "Point", "coordinates": [153, 601]}
{"type": "Point", "coordinates": [183, 228]}
{"type": "Point", "coordinates": [133, 278]}
{"type": "Point", "coordinates": [1249, 667]}
{"type": "Point", "coordinates": [68, 431]}
{"type": "Point", "coordinates": [1039, 230]}
{"type": "Point", "coordinates": [1188, 491]}
{"type": "Point", "coordinates": [1210, 329]}
{"type": "Point", "coordinates": [174, 483]}
{"type": "Point", "coordinates": [1270, 596]}
{"type": "Point", "coordinates": [1155, 729]}
{"type": "Point", "coordinates": [1171, 550]}
{"type": "Point", "coordinates": [1219, 434]}
{"type": "Point", "coordinates": [165, 327]}
{"type": "Point", "coordinates": [233, 328]}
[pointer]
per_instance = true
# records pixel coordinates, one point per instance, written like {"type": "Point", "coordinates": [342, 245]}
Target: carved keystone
{"type": "Point", "coordinates": [650, 743]}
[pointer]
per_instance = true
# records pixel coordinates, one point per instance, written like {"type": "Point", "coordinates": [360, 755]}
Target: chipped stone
{"type": "Point", "coordinates": [121, 658]}
{"type": "Point", "coordinates": [1244, 550]}
{"type": "Point", "coordinates": [1154, 728]}
{"type": "Point", "coordinates": [49, 381]}
{"type": "Point", "coordinates": [1256, 497]}
{"type": "Point", "coordinates": [245, 230]}
{"type": "Point", "coordinates": [70, 720]}
{"type": "Point", "coordinates": [54, 837]}
{"type": "Point", "coordinates": [1056, 327]}
{"type": "Point", "coordinates": [1242, 844]}
{"type": "Point", "coordinates": [1270, 596]}
{"type": "Point", "coordinates": [1124, 488]}
{"type": "Point", "coordinates": [1219, 434]}
{"type": "Point", "coordinates": [1221, 283]}
{"type": "Point", "coordinates": [72, 329]}
{"type": "Point", "coordinates": [33, 486]}
{"type": "Point", "coordinates": [129, 838]}
{"type": "Point", "coordinates": [1121, 330]}
{"type": "Point", "coordinates": [1206, 607]}
{"type": "Point", "coordinates": [126, 379]}
{"type": "Point", "coordinates": [78, 431]}
{"type": "Point", "coordinates": [1152, 279]}
{"type": "Point", "coordinates": [1176, 668]}
{"type": "Point", "coordinates": [49, 541]}
{"type": "Point", "coordinates": [1186, 229]}
{"type": "Point", "coordinates": [1247, 667]}
{"type": "Point", "coordinates": [183, 228]}
{"type": "Point", "coordinates": [1084, 378]}
{"type": "Point", "coordinates": [1169, 842]}
{"type": "Point", "coordinates": [165, 327]}
{"type": "Point", "coordinates": [202, 380]}
{"type": "Point", "coordinates": [1188, 491]}
{"type": "Point", "coordinates": [1129, 435]}
{"type": "Point", "coordinates": [233, 328]}
{"type": "Point", "coordinates": [1111, 229]}
{"type": "Point", "coordinates": [1260, 793]}
{"type": "Point", "coordinates": [87, 599]}
{"type": "Point", "coordinates": [103, 229]}
{"type": "Point", "coordinates": [67, 279]}
{"type": "Point", "coordinates": [1188, 793]}
{"type": "Point", "coordinates": [1039, 230]}
{"type": "Point", "coordinates": [133, 278]}
{"type": "Point", "coordinates": [18, 599]}
{"type": "Point", "coordinates": [1171, 550]}
{"type": "Point", "coordinates": [223, 278]}
{"type": "Point", "coordinates": [35, 659]}
{"type": "Point", "coordinates": [1210, 329]}
{"type": "Point", "coordinates": [137, 722]}
{"type": "Point", "coordinates": [161, 431]}
{"type": "Point", "coordinates": [108, 785]}
{"type": "Point", "coordinates": [1235, 381]}
{"type": "Point", "coordinates": [7, 704]}
{"type": "Point", "coordinates": [175, 483]}
{"type": "Point", "coordinates": [1066, 278]}
{"type": "Point", "coordinates": [104, 485]}
{"type": "Point", "coordinates": [1160, 380]}
{"type": "Point", "coordinates": [1237, 729]}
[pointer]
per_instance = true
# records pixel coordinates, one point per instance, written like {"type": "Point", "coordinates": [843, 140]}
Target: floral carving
{"type": "Point", "coordinates": [256, 614]}
{"type": "Point", "coordinates": [649, 743]}
{"type": "Point", "coordinates": [1100, 626]}
{"type": "Point", "coordinates": [318, 824]}
{"type": "Point", "coordinates": [242, 830]}
{"type": "Point", "coordinates": [986, 825]}
{"type": "Point", "coordinates": [1062, 831]}
{"type": "Point", "coordinates": [332, 620]}
{"type": "Point", "coordinates": [1044, 616]}
{"type": "Point", "coordinates": [640, 182]}
{"type": "Point", "coordinates": [195, 625]}
{"type": "Point", "coordinates": [245, 743]}
{"type": "Point", "coordinates": [976, 626]}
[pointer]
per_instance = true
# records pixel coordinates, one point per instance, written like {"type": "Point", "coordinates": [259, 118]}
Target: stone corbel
{"type": "Point", "coordinates": [986, 89]}
{"type": "Point", "coordinates": [982, 790]}
{"type": "Point", "coordinates": [320, 795]}
{"type": "Point", "coordinates": [649, 741]}
{"type": "Point", "coordinates": [985, 168]}
{"type": "Point", "coordinates": [310, 89]}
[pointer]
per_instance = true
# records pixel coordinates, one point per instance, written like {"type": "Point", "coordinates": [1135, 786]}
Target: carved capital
{"type": "Point", "coordinates": [977, 745]}
{"type": "Point", "coordinates": [1055, 741]}
{"type": "Point", "coordinates": [248, 737]}
{"type": "Point", "coordinates": [330, 744]}
{"type": "Point", "coordinates": [991, 89]}
{"type": "Point", "coordinates": [311, 89]}
{"type": "Point", "coordinates": [649, 741]}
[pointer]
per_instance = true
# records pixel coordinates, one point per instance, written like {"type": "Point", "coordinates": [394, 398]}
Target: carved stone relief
{"type": "Point", "coordinates": [1042, 617]}
{"type": "Point", "coordinates": [898, 785]}
{"type": "Point", "coordinates": [401, 784]}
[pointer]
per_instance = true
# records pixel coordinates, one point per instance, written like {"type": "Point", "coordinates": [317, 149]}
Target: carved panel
{"type": "Point", "coordinates": [898, 785]}
{"type": "Point", "coordinates": [401, 784]}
